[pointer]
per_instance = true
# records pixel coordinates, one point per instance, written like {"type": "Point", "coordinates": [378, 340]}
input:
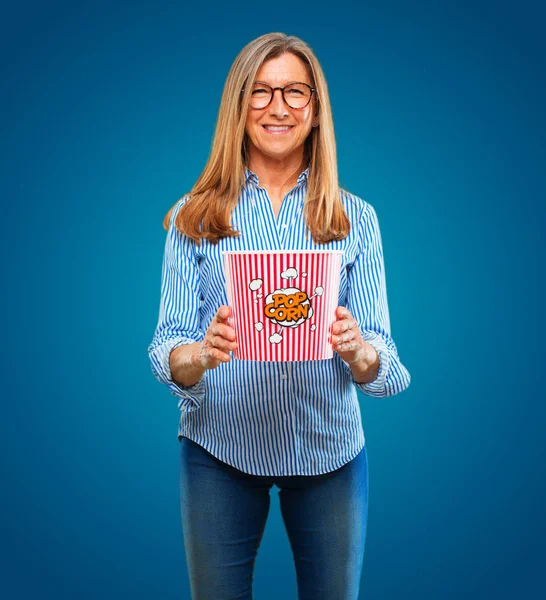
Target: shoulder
{"type": "Point", "coordinates": [177, 238]}
{"type": "Point", "coordinates": [172, 230]}
{"type": "Point", "coordinates": [176, 208]}
{"type": "Point", "coordinates": [358, 210]}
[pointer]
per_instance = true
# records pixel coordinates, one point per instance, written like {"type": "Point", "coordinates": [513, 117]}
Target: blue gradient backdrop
{"type": "Point", "coordinates": [107, 118]}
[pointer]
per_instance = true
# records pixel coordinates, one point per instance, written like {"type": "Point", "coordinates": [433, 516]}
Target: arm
{"type": "Point", "coordinates": [179, 321]}
{"type": "Point", "coordinates": [367, 302]}
{"type": "Point", "coordinates": [183, 369]}
{"type": "Point", "coordinates": [189, 361]}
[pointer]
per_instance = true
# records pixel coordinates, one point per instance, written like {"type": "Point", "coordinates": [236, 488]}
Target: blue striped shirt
{"type": "Point", "coordinates": [275, 418]}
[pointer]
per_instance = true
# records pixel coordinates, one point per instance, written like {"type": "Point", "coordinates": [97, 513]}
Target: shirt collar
{"type": "Point", "coordinates": [251, 176]}
{"type": "Point", "coordinates": [304, 175]}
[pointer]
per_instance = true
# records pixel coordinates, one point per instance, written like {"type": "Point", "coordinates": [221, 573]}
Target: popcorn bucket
{"type": "Point", "coordinates": [282, 302]}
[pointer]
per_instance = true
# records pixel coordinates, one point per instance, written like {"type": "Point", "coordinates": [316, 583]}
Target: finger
{"type": "Point", "coordinates": [218, 341]}
{"type": "Point", "coordinates": [351, 346]}
{"type": "Point", "coordinates": [338, 326]}
{"type": "Point", "coordinates": [215, 338]}
{"type": "Point", "coordinates": [210, 351]}
{"type": "Point", "coordinates": [343, 312]}
{"type": "Point", "coordinates": [347, 336]}
{"type": "Point", "coordinates": [223, 344]}
{"type": "Point", "coordinates": [340, 312]}
{"type": "Point", "coordinates": [218, 354]}
{"type": "Point", "coordinates": [224, 331]}
{"type": "Point", "coordinates": [341, 326]}
{"type": "Point", "coordinates": [223, 313]}
{"type": "Point", "coordinates": [350, 324]}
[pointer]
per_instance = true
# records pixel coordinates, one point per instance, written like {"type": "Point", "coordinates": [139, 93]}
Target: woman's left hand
{"type": "Point", "coordinates": [348, 342]}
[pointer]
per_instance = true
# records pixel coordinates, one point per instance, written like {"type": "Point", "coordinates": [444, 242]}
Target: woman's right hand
{"type": "Point", "coordinates": [218, 341]}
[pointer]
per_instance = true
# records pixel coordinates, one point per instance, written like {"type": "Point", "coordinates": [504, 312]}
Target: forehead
{"type": "Point", "coordinates": [283, 69]}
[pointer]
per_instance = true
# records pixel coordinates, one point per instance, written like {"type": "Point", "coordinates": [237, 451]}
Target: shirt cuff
{"type": "Point", "coordinates": [190, 396]}
{"type": "Point", "coordinates": [378, 386]}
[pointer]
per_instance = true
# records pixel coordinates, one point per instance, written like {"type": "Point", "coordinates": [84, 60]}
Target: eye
{"type": "Point", "coordinates": [260, 90]}
{"type": "Point", "coordinates": [297, 90]}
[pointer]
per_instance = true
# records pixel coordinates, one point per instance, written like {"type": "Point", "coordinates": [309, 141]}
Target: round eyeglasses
{"type": "Point", "coordinates": [296, 94]}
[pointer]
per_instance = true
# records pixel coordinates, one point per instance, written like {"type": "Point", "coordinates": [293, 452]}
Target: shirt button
{"type": "Point", "coordinates": [283, 376]}
{"type": "Point", "coordinates": [284, 225]}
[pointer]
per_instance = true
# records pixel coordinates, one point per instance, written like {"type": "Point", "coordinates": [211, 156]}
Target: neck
{"type": "Point", "coordinates": [277, 174]}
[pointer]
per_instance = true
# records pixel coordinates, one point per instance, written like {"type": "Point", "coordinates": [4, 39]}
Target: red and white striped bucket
{"type": "Point", "coordinates": [283, 302]}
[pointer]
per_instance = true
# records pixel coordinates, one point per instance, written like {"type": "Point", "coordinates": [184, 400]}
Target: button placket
{"type": "Point", "coordinates": [276, 223]}
{"type": "Point", "coordinates": [268, 216]}
{"type": "Point", "coordinates": [286, 212]}
{"type": "Point", "coordinates": [281, 225]}
{"type": "Point", "coordinates": [283, 378]}
{"type": "Point", "coordinates": [293, 411]}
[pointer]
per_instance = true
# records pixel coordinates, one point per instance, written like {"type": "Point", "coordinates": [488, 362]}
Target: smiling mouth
{"type": "Point", "coordinates": [277, 129]}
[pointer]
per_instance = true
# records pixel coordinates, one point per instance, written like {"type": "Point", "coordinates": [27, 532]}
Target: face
{"type": "Point", "coordinates": [266, 143]}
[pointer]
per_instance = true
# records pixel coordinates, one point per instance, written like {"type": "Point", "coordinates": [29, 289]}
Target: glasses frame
{"type": "Point", "coordinates": [274, 89]}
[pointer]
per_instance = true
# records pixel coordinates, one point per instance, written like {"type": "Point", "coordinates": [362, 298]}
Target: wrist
{"type": "Point", "coordinates": [365, 369]}
{"type": "Point", "coordinates": [186, 365]}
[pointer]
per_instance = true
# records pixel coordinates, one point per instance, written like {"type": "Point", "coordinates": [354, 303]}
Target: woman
{"type": "Point", "coordinates": [271, 183]}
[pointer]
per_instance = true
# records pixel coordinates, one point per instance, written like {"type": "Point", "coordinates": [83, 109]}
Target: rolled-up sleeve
{"type": "Point", "coordinates": [367, 302]}
{"type": "Point", "coordinates": [179, 313]}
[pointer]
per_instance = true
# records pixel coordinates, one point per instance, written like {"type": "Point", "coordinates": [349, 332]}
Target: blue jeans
{"type": "Point", "coordinates": [224, 512]}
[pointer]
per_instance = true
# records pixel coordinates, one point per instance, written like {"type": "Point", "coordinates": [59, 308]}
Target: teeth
{"type": "Point", "coordinates": [276, 128]}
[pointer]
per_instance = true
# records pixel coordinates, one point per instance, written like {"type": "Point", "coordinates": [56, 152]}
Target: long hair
{"type": "Point", "coordinates": [207, 211]}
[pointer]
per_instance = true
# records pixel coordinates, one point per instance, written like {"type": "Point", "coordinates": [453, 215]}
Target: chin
{"type": "Point", "coordinates": [280, 147]}
{"type": "Point", "coordinates": [278, 155]}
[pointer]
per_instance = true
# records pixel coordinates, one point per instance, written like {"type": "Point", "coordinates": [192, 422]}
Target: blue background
{"type": "Point", "coordinates": [107, 119]}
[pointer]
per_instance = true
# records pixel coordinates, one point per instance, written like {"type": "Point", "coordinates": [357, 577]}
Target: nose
{"type": "Point", "coordinates": [278, 107]}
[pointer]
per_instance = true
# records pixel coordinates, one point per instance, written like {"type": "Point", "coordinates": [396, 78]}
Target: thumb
{"type": "Point", "coordinates": [223, 313]}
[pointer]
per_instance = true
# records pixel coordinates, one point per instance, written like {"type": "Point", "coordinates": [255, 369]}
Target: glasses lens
{"type": "Point", "coordinates": [260, 95]}
{"type": "Point", "coordinates": [297, 95]}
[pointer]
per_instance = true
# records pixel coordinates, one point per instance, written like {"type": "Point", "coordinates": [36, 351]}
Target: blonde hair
{"type": "Point", "coordinates": [207, 212]}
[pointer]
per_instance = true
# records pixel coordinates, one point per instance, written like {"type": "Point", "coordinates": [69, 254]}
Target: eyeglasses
{"type": "Point", "coordinates": [296, 94]}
